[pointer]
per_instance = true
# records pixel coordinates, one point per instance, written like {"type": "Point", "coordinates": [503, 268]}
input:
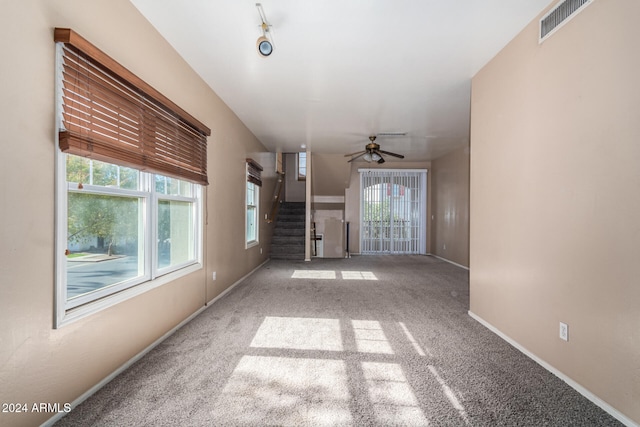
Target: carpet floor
{"type": "Point", "coordinates": [366, 341]}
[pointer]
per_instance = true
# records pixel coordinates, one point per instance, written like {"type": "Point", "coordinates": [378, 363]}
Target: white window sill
{"type": "Point", "coordinates": [88, 309]}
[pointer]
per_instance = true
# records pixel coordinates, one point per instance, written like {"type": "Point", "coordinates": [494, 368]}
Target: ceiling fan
{"type": "Point", "coordinates": [372, 152]}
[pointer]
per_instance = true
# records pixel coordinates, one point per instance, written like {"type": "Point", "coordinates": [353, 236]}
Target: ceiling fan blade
{"type": "Point", "coordinates": [359, 155]}
{"type": "Point", "coordinates": [381, 161]}
{"type": "Point", "coordinates": [392, 154]}
{"type": "Point", "coordinates": [353, 154]}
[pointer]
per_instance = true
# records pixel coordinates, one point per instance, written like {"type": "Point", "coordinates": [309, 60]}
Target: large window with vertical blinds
{"type": "Point", "coordinates": [130, 169]}
{"type": "Point", "coordinates": [393, 211]}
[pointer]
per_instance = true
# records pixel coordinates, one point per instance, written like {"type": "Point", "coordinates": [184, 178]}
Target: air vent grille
{"type": "Point", "coordinates": [560, 15]}
{"type": "Point", "coordinates": [391, 134]}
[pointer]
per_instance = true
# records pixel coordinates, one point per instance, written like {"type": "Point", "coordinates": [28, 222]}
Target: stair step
{"type": "Point", "coordinates": [290, 218]}
{"type": "Point", "coordinates": [287, 249]}
{"type": "Point", "coordinates": [286, 241]}
{"type": "Point", "coordinates": [288, 256]}
{"type": "Point", "coordinates": [288, 234]}
{"type": "Point", "coordinates": [290, 224]}
{"type": "Point", "coordinates": [298, 232]}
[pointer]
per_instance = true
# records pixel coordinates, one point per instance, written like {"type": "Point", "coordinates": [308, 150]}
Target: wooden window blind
{"type": "Point", "coordinates": [111, 115]}
{"type": "Point", "coordinates": [254, 172]}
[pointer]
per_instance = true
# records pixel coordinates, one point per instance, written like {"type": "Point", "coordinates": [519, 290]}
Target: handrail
{"type": "Point", "coordinates": [347, 249]}
{"type": "Point", "coordinates": [315, 239]}
{"type": "Point", "coordinates": [277, 194]}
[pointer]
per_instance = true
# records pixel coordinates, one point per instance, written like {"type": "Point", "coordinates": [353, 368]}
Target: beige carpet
{"type": "Point", "coordinates": [366, 341]}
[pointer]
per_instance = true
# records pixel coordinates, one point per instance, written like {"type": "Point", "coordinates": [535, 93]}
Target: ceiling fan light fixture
{"type": "Point", "coordinates": [372, 153]}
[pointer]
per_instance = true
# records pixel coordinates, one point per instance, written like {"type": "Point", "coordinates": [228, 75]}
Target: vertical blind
{"type": "Point", "coordinates": [393, 211]}
{"type": "Point", "coordinates": [111, 115]}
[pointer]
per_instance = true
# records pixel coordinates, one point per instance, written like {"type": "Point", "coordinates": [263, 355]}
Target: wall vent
{"type": "Point", "coordinates": [560, 15]}
{"type": "Point", "coordinates": [391, 134]}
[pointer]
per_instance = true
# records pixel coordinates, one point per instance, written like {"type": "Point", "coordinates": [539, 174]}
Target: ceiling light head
{"type": "Point", "coordinates": [367, 157]}
{"type": "Point", "coordinates": [376, 157]}
{"type": "Point", "coordinates": [264, 44]}
{"type": "Point", "coordinates": [265, 48]}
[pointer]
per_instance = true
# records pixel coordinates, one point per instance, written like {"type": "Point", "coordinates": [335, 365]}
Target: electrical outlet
{"type": "Point", "coordinates": [564, 331]}
{"type": "Point", "coordinates": [213, 275]}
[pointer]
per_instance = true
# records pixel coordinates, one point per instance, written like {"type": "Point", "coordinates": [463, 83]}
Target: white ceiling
{"type": "Point", "coordinates": [344, 69]}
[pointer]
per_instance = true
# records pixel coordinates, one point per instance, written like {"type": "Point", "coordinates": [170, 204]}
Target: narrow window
{"type": "Point", "coordinates": [254, 182]}
{"type": "Point", "coordinates": [302, 166]}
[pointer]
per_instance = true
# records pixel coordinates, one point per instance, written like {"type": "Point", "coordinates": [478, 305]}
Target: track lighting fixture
{"type": "Point", "coordinates": [264, 43]}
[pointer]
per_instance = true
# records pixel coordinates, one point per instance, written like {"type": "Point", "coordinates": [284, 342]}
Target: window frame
{"type": "Point", "coordinates": [196, 220]}
{"type": "Point", "coordinates": [301, 176]}
{"type": "Point", "coordinates": [152, 276]}
{"type": "Point", "coordinates": [256, 214]}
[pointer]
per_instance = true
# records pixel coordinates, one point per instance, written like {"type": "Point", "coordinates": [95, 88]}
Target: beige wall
{"type": "Point", "coordinates": [42, 364]}
{"type": "Point", "coordinates": [294, 190]}
{"type": "Point", "coordinates": [450, 206]}
{"type": "Point", "coordinates": [330, 174]}
{"type": "Point", "coordinates": [555, 198]}
{"type": "Point", "coordinates": [352, 198]}
{"type": "Point", "coordinates": [329, 178]}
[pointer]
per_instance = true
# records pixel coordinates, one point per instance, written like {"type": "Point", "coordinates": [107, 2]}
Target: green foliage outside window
{"type": "Point", "coordinates": [110, 219]}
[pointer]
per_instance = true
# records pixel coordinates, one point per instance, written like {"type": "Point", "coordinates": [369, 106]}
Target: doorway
{"type": "Point", "coordinates": [393, 211]}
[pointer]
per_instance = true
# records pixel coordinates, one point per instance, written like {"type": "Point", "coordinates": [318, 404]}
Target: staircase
{"type": "Point", "coordinates": [288, 235]}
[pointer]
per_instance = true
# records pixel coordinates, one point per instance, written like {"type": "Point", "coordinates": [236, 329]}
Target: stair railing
{"type": "Point", "coordinates": [277, 196]}
{"type": "Point", "coordinates": [314, 238]}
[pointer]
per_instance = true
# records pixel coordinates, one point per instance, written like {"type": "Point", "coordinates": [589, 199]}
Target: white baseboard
{"type": "Point", "coordinates": [139, 356]}
{"type": "Point", "coordinates": [236, 283]}
{"type": "Point", "coordinates": [580, 389]}
{"type": "Point", "coordinates": [450, 262]}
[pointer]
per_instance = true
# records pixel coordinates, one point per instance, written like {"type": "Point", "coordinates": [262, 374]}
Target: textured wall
{"type": "Point", "coordinates": [555, 198]}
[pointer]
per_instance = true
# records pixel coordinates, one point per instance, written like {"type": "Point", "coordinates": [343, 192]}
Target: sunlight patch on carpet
{"type": "Point", "coordinates": [450, 395]}
{"type": "Point", "coordinates": [391, 396]}
{"type": "Point", "coordinates": [285, 391]}
{"type": "Point", "coordinates": [358, 275]}
{"type": "Point", "coordinates": [370, 337]}
{"type": "Point", "coordinates": [299, 333]}
{"type": "Point", "coordinates": [412, 340]}
{"type": "Point", "coordinates": [313, 274]}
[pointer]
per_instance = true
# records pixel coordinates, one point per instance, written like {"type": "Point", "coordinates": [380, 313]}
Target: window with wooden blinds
{"type": "Point", "coordinates": [111, 115]}
{"type": "Point", "coordinates": [254, 172]}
